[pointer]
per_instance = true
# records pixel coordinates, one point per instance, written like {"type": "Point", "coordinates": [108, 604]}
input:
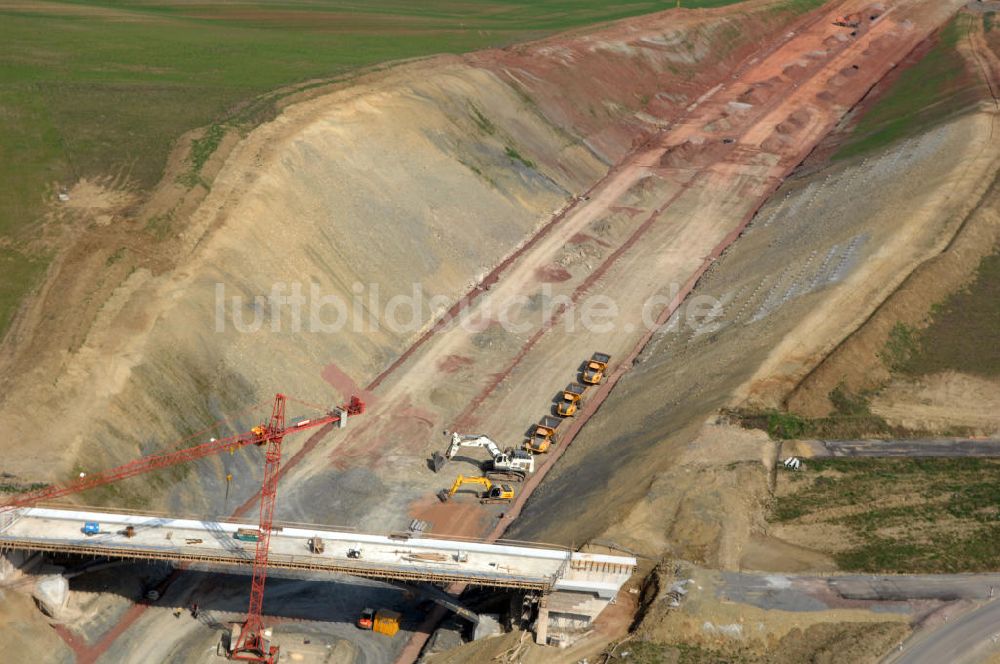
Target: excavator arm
{"type": "Point", "coordinates": [461, 481]}
{"type": "Point", "coordinates": [459, 441]}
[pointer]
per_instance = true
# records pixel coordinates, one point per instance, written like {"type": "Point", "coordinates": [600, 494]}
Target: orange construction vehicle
{"type": "Point", "coordinates": [593, 371]}
{"type": "Point", "coordinates": [382, 621]}
{"type": "Point", "coordinates": [492, 492]}
{"type": "Point", "coordinates": [572, 400]}
{"type": "Point", "coordinates": [543, 435]}
{"type": "Point", "coordinates": [386, 622]}
{"type": "Point", "coordinates": [848, 21]}
{"type": "Point", "coordinates": [367, 619]}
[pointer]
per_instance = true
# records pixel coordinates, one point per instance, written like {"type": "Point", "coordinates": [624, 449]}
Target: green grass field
{"type": "Point", "coordinates": [933, 90]}
{"type": "Point", "coordinates": [851, 418]}
{"type": "Point", "coordinates": [906, 515]}
{"type": "Point", "coordinates": [92, 89]}
{"type": "Point", "coordinates": [962, 334]}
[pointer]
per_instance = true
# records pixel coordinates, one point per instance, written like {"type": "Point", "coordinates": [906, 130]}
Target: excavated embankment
{"type": "Point", "coordinates": [428, 174]}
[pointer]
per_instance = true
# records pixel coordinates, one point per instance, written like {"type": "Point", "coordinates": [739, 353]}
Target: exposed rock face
{"type": "Point", "coordinates": [51, 592]}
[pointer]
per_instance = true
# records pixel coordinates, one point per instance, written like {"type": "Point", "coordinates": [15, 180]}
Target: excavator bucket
{"type": "Point", "coordinates": [438, 461]}
{"type": "Point", "coordinates": [444, 495]}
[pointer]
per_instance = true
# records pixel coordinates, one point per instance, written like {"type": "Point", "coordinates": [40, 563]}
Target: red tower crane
{"type": "Point", "coordinates": [252, 644]}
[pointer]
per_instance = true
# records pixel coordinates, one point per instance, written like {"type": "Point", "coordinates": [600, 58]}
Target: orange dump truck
{"type": "Point", "coordinates": [848, 21]}
{"type": "Point", "coordinates": [386, 622]}
{"type": "Point", "coordinates": [593, 370]}
{"type": "Point", "coordinates": [542, 435]}
{"type": "Point", "coordinates": [572, 400]}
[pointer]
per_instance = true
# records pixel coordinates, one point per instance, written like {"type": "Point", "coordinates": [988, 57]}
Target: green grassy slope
{"type": "Point", "coordinates": [933, 90]}
{"type": "Point", "coordinates": [903, 515]}
{"type": "Point", "coordinates": [962, 334]}
{"type": "Point", "coordinates": [105, 88]}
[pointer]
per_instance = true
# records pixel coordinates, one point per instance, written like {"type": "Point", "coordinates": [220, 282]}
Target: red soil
{"type": "Point", "coordinates": [453, 363]}
{"type": "Point", "coordinates": [551, 274]}
{"type": "Point", "coordinates": [581, 238]}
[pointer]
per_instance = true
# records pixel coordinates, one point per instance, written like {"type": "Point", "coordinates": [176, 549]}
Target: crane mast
{"type": "Point", "coordinates": [253, 644]}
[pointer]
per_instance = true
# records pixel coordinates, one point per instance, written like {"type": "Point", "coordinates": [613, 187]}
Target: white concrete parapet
{"type": "Point", "coordinates": [381, 556]}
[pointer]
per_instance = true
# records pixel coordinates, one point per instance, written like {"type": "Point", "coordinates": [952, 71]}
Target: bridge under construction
{"type": "Point", "coordinates": [571, 588]}
{"type": "Point", "coordinates": [403, 557]}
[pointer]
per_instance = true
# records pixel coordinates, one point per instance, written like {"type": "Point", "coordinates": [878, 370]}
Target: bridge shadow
{"type": "Point", "coordinates": [222, 595]}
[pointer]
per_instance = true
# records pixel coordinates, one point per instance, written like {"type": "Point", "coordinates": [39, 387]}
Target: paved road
{"type": "Point", "coordinates": [815, 593]}
{"type": "Point", "coordinates": [963, 639]}
{"type": "Point", "coordinates": [945, 587]}
{"type": "Point", "coordinates": [917, 448]}
{"type": "Point", "coordinates": [966, 639]}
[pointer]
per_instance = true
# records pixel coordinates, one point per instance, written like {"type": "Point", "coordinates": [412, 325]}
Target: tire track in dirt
{"type": "Point", "coordinates": [494, 276]}
{"type": "Point", "coordinates": [464, 419]}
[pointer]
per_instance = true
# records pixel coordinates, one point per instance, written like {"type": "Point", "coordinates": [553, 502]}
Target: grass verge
{"type": "Point", "coordinates": [962, 334]}
{"type": "Point", "coordinates": [21, 274]}
{"type": "Point", "coordinates": [933, 90]}
{"type": "Point", "coordinates": [902, 515]}
{"type": "Point", "coordinates": [851, 419]}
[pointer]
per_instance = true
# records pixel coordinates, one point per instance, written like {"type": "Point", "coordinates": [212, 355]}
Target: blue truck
{"type": "Point", "coordinates": [91, 528]}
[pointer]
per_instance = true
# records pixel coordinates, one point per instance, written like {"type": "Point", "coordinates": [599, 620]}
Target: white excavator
{"type": "Point", "coordinates": [509, 464]}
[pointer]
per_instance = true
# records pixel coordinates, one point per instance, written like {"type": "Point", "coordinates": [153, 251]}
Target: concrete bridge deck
{"type": "Point", "coordinates": [405, 557]}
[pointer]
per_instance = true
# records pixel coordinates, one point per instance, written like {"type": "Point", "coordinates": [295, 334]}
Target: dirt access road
{"type": "Point", "coordinates": [915, 449]}
{"type": "Point", "coordinates": [647, 230]}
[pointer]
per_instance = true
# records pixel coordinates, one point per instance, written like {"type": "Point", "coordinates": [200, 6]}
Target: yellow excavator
{"type": "Point", "coordinates": [492, 493]}
{"type": "Point", "coordinates": [572, 400]}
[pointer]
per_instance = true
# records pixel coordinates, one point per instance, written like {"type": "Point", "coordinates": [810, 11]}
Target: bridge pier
{"type": "Point", "coordinates": [542, 622]}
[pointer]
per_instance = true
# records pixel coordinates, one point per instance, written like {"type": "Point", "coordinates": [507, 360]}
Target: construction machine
{"type": "Point", "coordinates": [593, 371]}
{"type": "Point", "coordinates": [247, 535]}
{"type": "Point", "coordinates": [572, 400]}
{"type": "Point", "coordinates": [542, 436]}
{"type": "Point", "coordinates": [507, 464]}
{"type": "Point", "coordinates": [848, 21]}
{"type": "Point", "coordinates": [492, 493]}
{"type": "Point", "coordinates": [367, 619]}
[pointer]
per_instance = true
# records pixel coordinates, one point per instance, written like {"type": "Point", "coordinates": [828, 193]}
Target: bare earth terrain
{"type": "Point", "coordinates": [514, 196]}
